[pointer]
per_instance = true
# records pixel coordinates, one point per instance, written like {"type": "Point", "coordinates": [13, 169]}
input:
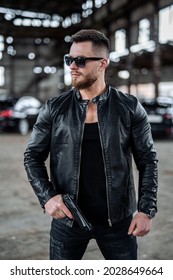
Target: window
{"type": "Point", "coordinates": [2, 76]}
{"type": "Point", "coordinates": [120, 40]}
{"type": "Point", "coordinates": [144, 31]}
{"type": "Point", "coordinates": [166, 25]}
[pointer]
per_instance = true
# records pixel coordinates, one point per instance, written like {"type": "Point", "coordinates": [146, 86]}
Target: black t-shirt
{"type": "Point", "coordinates": [92, 189]}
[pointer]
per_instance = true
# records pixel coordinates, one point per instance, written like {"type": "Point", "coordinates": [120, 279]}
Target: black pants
{"type": "Point", "coordinates": [70, 243]}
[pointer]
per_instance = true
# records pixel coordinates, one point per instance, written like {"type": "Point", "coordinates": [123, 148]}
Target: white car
{"type": "Point", "coordinates": [18, 114]}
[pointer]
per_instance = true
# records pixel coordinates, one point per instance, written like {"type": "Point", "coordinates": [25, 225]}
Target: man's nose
{"type": "Point", "coordinates": [73, 65]}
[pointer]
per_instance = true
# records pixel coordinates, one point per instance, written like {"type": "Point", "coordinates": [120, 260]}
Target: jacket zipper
{"type": "Point", "coordinates": [107, 195]}
{"type": "Point", "coordinates": [83, 125]}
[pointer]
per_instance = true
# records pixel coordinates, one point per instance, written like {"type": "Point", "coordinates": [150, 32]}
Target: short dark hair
{"type": "Point", "coordinates": [97, 38]}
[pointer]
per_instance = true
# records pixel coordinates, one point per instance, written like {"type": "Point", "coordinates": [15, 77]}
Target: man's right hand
{"type": "Point", "coordinates": [56, 208]}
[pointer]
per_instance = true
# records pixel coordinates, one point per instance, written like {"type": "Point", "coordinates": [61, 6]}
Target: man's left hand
{"type": "Point", "coordinates": [140, 225]}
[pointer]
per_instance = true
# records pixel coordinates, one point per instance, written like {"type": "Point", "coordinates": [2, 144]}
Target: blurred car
{"type": "Point", "coordinates": [160, 115]}
{"type": "Point", "coordinates": [18, 114]}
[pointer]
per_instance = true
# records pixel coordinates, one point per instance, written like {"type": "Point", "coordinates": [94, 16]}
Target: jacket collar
{"type": "Point", "coordinates": [96, 99]}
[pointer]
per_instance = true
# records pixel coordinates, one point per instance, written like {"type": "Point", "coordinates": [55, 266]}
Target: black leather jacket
{"type": "Point", "coordinates": [124, 131]}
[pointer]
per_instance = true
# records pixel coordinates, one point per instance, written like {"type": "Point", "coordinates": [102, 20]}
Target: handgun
{"type": "Point", "coordinates": [76, 212]}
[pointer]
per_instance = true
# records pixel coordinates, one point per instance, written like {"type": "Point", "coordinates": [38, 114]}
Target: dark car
{"type": "Point", "coordinates": [18, 114]}
{"type": "Point", "coordinates": [160, 115]}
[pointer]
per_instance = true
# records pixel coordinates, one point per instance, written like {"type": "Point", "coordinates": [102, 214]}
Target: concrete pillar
{"type": "Point", "coordinates": [156, 63]}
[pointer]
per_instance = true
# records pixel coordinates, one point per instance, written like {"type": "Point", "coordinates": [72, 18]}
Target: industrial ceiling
{"type": "Point", "coordinates": [58, 19]}
{"type": "Point", "coordinates": [42, 18]}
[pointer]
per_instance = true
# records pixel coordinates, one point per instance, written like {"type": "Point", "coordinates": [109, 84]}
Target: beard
{"type": "Point", "coordinates": [86, 82]}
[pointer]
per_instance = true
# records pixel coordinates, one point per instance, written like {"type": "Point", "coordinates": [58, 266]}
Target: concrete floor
{"type": "Point", "coordinates": [24, 229]}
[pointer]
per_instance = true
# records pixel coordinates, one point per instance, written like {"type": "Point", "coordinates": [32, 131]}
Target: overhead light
{"type": "Point", "coordinates": [124, 74]}
{"type": "Point", "coordinates": [31, 56]}
{"type": "Point", "coordinates": [9, 40]}
{"type": "Point", "coordinates": [36, 22]}
{"type": "Point", "coordinates": [46, 23]}
{"type": "Point", "coordinates": [17, 21]}
{"type": "Point", "coordinates": [26, 22]}
{"type": "Point", "coordinates": [46, 41]}
{"type": "Point", "coordinates": [54, 24]}
{"type": "Point", "coordinates": [53, 70]}
{"type": "Point", "coordinates": [38, 41]}
{"type": "Point", "coordinates": [1, 46]}
{"type": "Point", "coordinates": [37, 70]}
{"type": "Point", "coordinates": [9, 15]}
{"type": "Point", "coordinates": [67, 39]}
{"type": "Point", "coordinates": [50, 69]}
{"type": "Point", "coordinates": [47, 69]}
{"type": "Point", "coordinates": [11, 50]}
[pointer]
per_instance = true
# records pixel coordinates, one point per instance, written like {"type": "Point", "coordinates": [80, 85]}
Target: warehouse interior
{"type": "Point", "coordinates": [35, 36]}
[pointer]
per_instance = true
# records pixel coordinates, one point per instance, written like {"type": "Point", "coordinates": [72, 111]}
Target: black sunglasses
{"type": "Point", "coordinates": [79, 60]}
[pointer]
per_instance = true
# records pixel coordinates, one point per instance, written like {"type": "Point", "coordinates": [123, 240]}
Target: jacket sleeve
{"type": "Point", "coordinates": [36, 154]}
{"type": "Point", "coordinates": [144, 153]}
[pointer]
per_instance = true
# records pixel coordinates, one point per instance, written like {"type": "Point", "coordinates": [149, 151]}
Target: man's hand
{"type": "Point", "coordinates": [56, 208]}
{"type": "Point", "coordinates": [140, 225]}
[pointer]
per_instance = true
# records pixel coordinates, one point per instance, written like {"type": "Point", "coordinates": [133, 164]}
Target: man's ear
{"type": "Point", "coordinates": [104, 63]}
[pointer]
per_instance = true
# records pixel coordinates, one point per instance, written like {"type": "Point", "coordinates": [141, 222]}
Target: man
{"type": "Point", "coordinates": [91, 133]}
